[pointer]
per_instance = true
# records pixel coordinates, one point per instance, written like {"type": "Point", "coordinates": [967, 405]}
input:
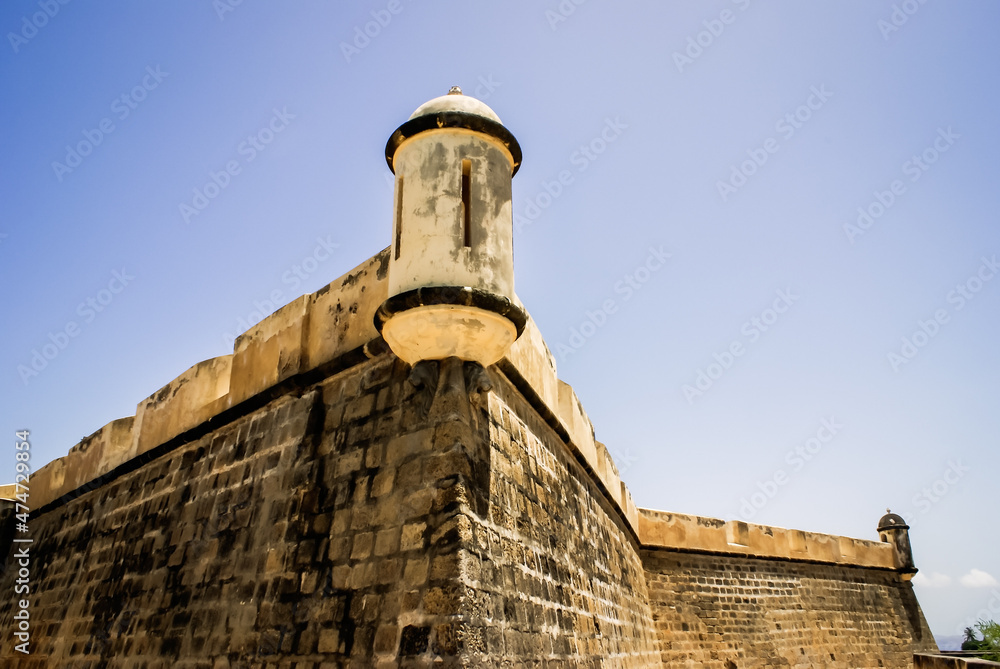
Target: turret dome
{"type": "Point", "coordinates": [455, 101]}
{"type": "Point", "coordinates": [454, 110]}
{"type": "Point", "coordinates": [892, 521]}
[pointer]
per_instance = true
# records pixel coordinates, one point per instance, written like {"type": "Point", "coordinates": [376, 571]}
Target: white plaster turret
{"type": "Point", "coordinates": [451, 268]}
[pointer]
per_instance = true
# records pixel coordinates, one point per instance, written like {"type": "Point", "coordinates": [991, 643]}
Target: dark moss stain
{"type": "Point", "coordinates": [413, 640]}
{"type": "Point", "coordinates": [711, 522]}
{"type": "Point", "coordinates": [497, 182]}
{"type": "Point", "coordinates": [430, 169]}
{"type": "Point", "coordinates": [430, 206]}
{"type": "Point", "coordinates": [168, 391]}
{"type": "Point", "coordinates": [383, 264]}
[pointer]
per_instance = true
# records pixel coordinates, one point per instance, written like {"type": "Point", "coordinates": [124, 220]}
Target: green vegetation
{"type": "Point", "coordinates": [988, 646]}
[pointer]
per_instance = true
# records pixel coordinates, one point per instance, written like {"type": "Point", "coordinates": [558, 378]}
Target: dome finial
{"type": "Point", "coordinates": [455, 90]}
{"type": "Point", "coordinates": [892, 521]}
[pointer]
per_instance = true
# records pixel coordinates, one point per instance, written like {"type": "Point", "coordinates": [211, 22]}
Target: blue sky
{"type": "Point", "coordinates": [689, 239]}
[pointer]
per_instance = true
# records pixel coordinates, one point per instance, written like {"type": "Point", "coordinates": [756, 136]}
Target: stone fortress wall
{"type": "Point", "coordinates": [333, 325]}
{"type": "Point", "coordinates": [307, 499]}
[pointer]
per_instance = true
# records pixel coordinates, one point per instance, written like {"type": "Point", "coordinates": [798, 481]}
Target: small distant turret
{"type": "Point", "coordinates": [893, 530]}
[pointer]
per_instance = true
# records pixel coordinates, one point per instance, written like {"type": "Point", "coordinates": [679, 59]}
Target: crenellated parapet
{"type": "Point", "coordinates": [319, 329]}
{"type": "Point", "coordinates": [302, 336]}
{"type": "Point", "coordinates": [697, 534]}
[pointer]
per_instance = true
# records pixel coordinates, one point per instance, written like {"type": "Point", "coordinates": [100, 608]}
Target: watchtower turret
{"type": "Point", "coordinates": [892, 529]}
{"type": "Point", "coordinates": [451, 268]}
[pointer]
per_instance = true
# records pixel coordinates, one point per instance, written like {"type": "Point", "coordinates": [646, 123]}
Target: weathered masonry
{"type": "Point", "coordinates": [388, 472]}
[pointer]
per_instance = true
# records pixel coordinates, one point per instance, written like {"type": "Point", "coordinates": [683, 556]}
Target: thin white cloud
{"type": "Point", "coordinates": [932, 580]}
{"type": "Point", "coordinates": [978, 578]}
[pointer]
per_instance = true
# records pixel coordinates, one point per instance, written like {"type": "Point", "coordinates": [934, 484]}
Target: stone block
{"type": "Point", "coordinates": [184, 403]}
{"type": "Point", "coordinates": [329, 641]}
{"type": "Point", "coordinates": [346, 307]}
{"type": "Point", "coordinates": [413, 537]}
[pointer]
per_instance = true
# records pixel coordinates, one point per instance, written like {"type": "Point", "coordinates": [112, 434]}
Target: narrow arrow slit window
{"type": "Point", "coordinates": [466, 199]}
{"type": "Point", "coordinates": [399, 213]}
